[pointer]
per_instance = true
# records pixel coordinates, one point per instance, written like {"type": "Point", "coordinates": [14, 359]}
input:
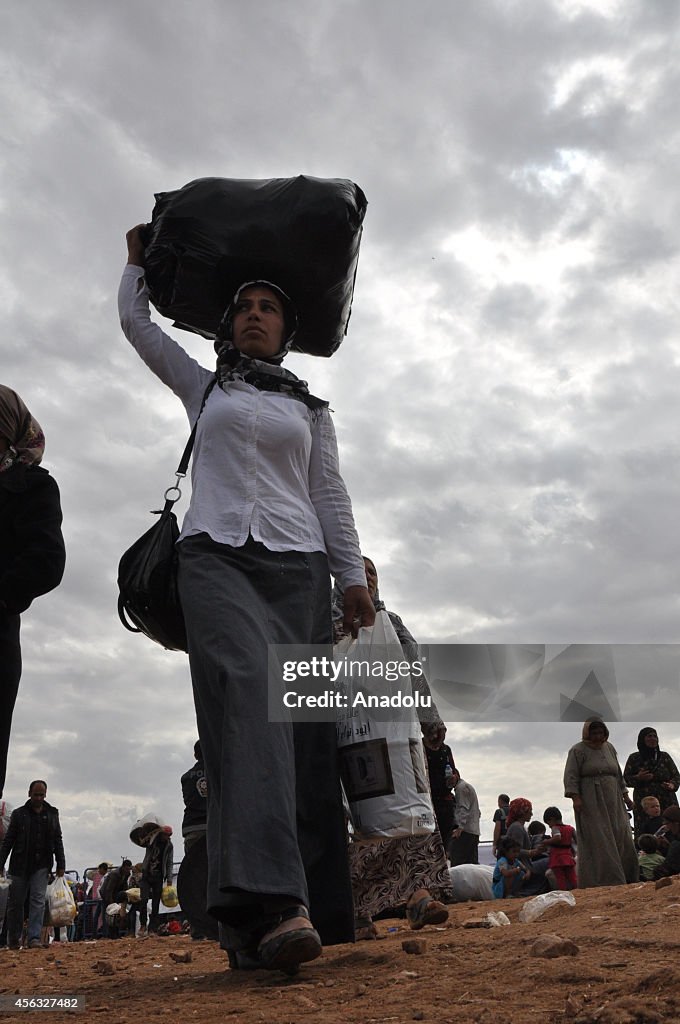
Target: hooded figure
{"type": "Point", "coordinates": [32, 553]}
{"type": "Point", "coordinates": [651, 772]}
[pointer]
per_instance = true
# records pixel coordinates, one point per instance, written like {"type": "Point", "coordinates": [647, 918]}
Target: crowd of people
{"type": "Point", "coordinates": [269, 522]}
{"type": "Point", "coordinates": [387, 876]}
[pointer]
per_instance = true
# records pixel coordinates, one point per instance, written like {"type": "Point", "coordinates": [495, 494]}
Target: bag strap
{"type": "Point", "coordinates": [181, 471]}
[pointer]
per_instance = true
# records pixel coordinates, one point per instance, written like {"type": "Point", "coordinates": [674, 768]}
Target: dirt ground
{"type": "Point", "coordinates": [625, 971]}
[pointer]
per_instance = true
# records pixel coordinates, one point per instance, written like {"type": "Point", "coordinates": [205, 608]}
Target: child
{"type": "Point", "coordinates": [560, 844]}
{"type": "Point", "coordinates": [650, 857]}
{"type": "Point", "coordinates": [536, 830]}
{"type": "Point", "coordinates": [650, 819]}
{"type": "Point", "coordinates": [509, 872]}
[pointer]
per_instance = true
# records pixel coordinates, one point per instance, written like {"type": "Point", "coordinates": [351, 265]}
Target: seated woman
{"type": "Point", "coordinates": [389, 873]}
{"type": "Point", "coordinates": [671, 863]}
{"type": "Point", "coordinates": [534, 858]}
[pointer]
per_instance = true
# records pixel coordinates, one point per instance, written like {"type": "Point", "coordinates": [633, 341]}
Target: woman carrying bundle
{"type": "Point", "coordinates": [269, 514]}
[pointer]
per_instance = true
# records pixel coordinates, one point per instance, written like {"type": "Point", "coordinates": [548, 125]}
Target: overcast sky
{"type": "Point", "coordinates": [505, 400]}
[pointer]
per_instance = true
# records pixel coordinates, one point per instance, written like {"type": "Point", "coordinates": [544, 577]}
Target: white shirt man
{"type": "Point", "coordinates": [464, 844]}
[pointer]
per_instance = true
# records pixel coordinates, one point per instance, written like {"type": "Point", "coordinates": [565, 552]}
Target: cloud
{"type": "Point", "coordinates": [505, 400]}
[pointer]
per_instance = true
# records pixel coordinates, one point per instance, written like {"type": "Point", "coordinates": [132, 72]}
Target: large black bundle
{"type": "Point", "coordinates": [303, 234]}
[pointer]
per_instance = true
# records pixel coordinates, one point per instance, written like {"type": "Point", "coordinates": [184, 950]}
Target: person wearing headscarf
{"type": "Point", "coordinates": [534, 858]}
{"type": "Point", "coordinates": [651, 772]}
{"type": "Point", "coordinates": [388, 873]}
{"type": "Point", "coordinates": [157, 870]}
{"type": "Point", "coordinates": [32, 554]}
{"type": "Point", "coordinates": [269, 514]}
{"type": "Point", "coordinates": [594, 782]}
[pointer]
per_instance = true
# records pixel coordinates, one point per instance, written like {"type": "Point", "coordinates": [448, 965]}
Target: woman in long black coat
{"type": "Point", "coordinates": [651, 772]}
{"type": "Point", "coordinates": [32, 551]}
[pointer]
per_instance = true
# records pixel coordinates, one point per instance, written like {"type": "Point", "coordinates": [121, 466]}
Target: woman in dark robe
{"type": "Point", "coordinates": [32, 552]}
{"type": "Point", "coordinates": [651, 772]}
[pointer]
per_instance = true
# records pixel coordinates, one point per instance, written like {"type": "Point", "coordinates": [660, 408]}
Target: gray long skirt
{"type": "Point", "coordinates": [275, 819]}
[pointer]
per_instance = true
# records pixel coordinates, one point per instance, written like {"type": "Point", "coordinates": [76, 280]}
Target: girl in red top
{"type": "Point", "coordinates": [560, 845]}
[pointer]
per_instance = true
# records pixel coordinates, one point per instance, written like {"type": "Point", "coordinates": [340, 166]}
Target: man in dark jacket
{"type": "Point", "coordinates": [34, 840]}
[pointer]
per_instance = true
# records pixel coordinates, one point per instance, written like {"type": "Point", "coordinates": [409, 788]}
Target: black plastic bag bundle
{"type": "Point", "coordinates": [303, 234]}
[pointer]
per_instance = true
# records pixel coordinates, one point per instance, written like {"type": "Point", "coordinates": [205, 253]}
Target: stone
{"type": "Point", "coordinates": [550, 946]}
{"type": "Point", "coordinates": [415, 946]}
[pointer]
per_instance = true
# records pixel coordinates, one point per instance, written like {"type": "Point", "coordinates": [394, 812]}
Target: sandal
{"type": "Point", "coordinates": [290, 942]}
{"type": "Point", "coordinates": [244, 960]}
{"type": "Point", "coordinates": [364, 929]}
{"type": "Point", "coordinates": [421, 909]}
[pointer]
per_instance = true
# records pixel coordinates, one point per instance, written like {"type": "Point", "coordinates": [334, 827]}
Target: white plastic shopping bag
{"type": "Point", "coordinates": [61, 903]}
{"type": "Point", "coordinates": [379, 738]}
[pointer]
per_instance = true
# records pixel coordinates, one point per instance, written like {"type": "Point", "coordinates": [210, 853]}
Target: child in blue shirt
{"type": "Point", "coordinates": [509, 872]}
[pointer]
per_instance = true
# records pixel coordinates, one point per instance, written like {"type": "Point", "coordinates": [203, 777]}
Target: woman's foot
{"type": "Point", "coordinates": [421, 909]}
{"type": "Point", "coordinates": [291, 941]}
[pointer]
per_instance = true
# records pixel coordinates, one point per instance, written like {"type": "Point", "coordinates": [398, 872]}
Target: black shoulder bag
{"type": "Point", "coordinates": [148, 599]}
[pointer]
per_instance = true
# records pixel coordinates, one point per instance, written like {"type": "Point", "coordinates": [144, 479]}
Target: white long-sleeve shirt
{"type": "Point", "coordinates": [263, 463]}
{"type": "Point", "coordinates": [467, 807]}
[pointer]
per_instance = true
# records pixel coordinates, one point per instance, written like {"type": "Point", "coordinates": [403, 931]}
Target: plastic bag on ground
{"type": "Point", "coordinates": [471, 882]}
{"type": "Point", "coordinates": [302, 234]}
{"type": "Point", "coordinates": [497, 919]}
{"type": "Point", "coordinates": [537, 906]}
{"type": "Point", "coordinates": [61, 903]}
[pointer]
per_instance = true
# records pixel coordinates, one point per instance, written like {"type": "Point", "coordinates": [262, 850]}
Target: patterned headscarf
{"type": "Point", "coordinates": [17, 426]}
{"type": "Point", "coordinates": [519, 807]}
